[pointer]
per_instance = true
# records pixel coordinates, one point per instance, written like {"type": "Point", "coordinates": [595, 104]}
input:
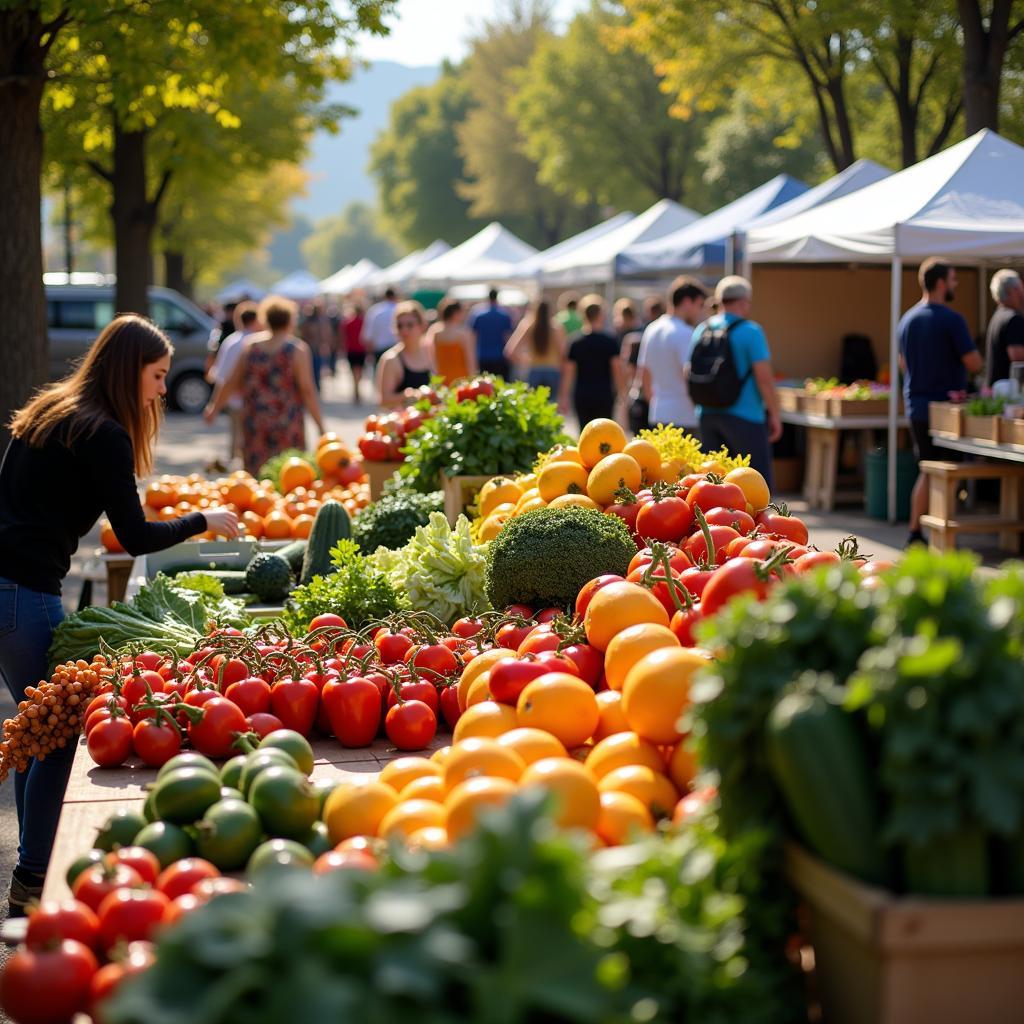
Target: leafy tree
{"type": "Point", "coordinates": [593, 116]}
{"type": "Point", "coordinates": [417, 164]}
{"type": "Point", "coordinates": [992, 30]}
{"type": "Point", "coordinates": [345, 238]}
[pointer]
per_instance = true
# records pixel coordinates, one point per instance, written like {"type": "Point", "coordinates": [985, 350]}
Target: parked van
{"type": "Point", "coordinates": [77, 313]}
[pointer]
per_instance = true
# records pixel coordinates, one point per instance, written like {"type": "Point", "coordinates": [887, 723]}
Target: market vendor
{"type": "Point", "coordinates": [75, 451]}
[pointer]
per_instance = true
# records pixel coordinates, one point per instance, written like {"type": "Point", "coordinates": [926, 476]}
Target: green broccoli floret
{"type": "Point", "coordinates": [545, 557]}
{"type": "Point", "coordinates": [391, 521]}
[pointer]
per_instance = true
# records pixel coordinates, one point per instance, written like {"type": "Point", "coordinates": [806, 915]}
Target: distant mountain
{"type": "Point", "coordinates": [338, 163]}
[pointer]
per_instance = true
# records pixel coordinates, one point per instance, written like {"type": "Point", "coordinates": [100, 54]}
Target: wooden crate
{"type": "Point", "coordinates": [984, 428]}
{"type": "Point", "coordinates": [789, 398]}
{"type": "Point", "coordinates": [119, 570]}
{"type": "Point", "coordinates": [1011, 432]}
{"type": "Point", "coordinates": [378, 473]}
{"type": "Point", "coordinates": [815, 405]}
{"type": "Point", "coordinates": [459, 492]}
{"type": "Point", "coordinates": [946, 418]}
{"type": "Point", "coordinates": [839, 407]}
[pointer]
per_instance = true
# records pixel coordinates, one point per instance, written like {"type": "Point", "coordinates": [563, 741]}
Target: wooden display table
{"type": "Point", "coordinates": [94, 793]}
{"type": "Point", "coordinates": [974, 446]}
{"type": "Point", "coordinates": [823, 438]}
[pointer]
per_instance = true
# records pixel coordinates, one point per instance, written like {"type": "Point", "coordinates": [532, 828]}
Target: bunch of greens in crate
{"type": "Point", "coordinates": [488, 436]}
{"type": "Point", "coordinates": [985, 405]}
{"type": "Point", "coordinates": [356, 591]}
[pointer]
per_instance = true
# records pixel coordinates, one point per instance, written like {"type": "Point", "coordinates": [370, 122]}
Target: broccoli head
{"type": "Point", "coordinates": [545, 557]}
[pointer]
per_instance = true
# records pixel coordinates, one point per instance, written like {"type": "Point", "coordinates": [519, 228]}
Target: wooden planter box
{"type": "Point", "coordinates": [859, 407]}
{"type": "Point", "coordinates": [946, 418]}
{"type": "Point", "coordinates": [1011, 432]}
{"type": "Point", "coordinates": [816, 405]}
{"type": "Point", "coordinates": [378, 473]}
{"type": "Point", "coordinates": [884, 959]}
{"type": "Point", "coordinates": [789, 398]}
{"type": "Point", "coordinates": [984, 428]}
{"type": "Point", "coordinates": [459, 493]}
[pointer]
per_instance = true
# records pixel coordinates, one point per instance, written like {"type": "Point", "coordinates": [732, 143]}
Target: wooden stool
{"type": "Point", "coordinates": [943, 520]}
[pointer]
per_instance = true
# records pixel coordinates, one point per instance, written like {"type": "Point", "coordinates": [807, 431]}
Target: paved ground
{"type": "Point", "coordinates": [188, 445]}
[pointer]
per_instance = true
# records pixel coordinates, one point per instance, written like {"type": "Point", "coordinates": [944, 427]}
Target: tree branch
{"type": "Point", "coordinates": [165, 180]}
{"type": "Point", "coordinates": [100, 170]}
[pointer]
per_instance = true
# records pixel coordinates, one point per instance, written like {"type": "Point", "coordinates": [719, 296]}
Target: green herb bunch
{"type": "Point", "coordinates": [486, 436]}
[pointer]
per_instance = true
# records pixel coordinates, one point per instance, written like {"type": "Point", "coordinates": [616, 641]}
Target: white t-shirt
{"type": "Point", "coordinates": [664, 350]}
{"type": "Point", "coordinates": [227, 358]}
{"type": "Point", "coordinates": [377, 328]}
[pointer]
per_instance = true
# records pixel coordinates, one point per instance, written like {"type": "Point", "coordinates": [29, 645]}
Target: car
{"type": "Point", "coordinates": [77, 313]}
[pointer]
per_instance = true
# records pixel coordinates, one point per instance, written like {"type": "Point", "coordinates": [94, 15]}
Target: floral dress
{"type": "Point", "coordinates": [273, 413]}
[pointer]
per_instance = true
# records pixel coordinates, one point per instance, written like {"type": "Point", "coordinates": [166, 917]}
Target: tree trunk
{"type": "Point", "coordinates": [134, 217]}
{"type": "Point", "coordinates": [906, 109]}
{"type": "Point", "coordinates": [174, 272]}
{"type": "Point", "coordinates": [26, 347]}
{"type": "Point", "coordinates": [984, 54]}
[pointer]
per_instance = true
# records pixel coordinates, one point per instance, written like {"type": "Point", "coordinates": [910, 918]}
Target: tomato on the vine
{"type": "Point", "coordinates": [777, 519]}
{"type": "Point", "coordinates": [713, 492]}
{"type": "Point", "coordinates": [214, 733]}
{"type": "Point", "coordinates": [739, 519]}
{"type": "Point", "coordinates": [721, 536]}
{"type": "Point", "coordinates": [410, 725]}
{"type": "Point", "coordinates": [667, 519]}
{"type": "Point", "coordinates": [41, 986]}
{"type": "Point", "coordinates": [156, 742]}
{"type": "Point", "coordinates": [110, 742]}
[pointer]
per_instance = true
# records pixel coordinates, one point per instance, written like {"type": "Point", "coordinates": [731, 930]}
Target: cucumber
{"type": "Point", "coordinates": [950, 865]}
{"type": "Point", "coordinates": [232, 580]}
{"type": "Point", "coordinates": [293, 554]}
{"type": "Point", "coordinates": [819, 764]}
{"type": "Point", "coordinates": [330, 525]}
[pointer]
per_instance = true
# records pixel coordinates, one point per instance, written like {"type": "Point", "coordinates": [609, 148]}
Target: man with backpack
{"type": "Point", "coordinates": [731, 381]}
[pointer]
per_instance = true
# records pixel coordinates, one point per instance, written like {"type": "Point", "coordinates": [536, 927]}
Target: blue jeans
{"type": "Point", "coordinates": [545, 377]}
{"type": "Point", "coordinates": [27, 621]}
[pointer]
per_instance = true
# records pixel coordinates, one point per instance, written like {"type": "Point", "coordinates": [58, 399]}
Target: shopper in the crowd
{"type": "Point", "coordinates": [351, 337]}
{"type": "Point", "coordinates": [246, 323]}
{"type": "Point", "coordinates": [591, 371]}
{"type": "Point", "coordinates": [537, 347]}
{"type": "Point", "coordinates": [378, 325]}
{"type": "Point", "coordinates": [492, 327]}
{"type": "Point", "coordinates": [274, 375]}
{"type": "Point", "coordinates": [665, 352]}
{"type": "Point", "coordinates": [315, 331]}
{"type": "Point", "coordinates": [626, 326]}
{"type": "Point", "coordinates": [653, 308]}
{"type": "Point", "coordinates": [568, 314]}
{"type": "Point", "coordinates": [1004, 342]}
{"type": "Point", "coordinates": [936, 355]}
{"type": "Point", "coordinates": [75, 451]}
{"type": "Point", "coordinates": [749, 424]}
{"type": "Point", "coordinates": [453, 344]}
{"type": "Point", "coordinates": [409, 364]}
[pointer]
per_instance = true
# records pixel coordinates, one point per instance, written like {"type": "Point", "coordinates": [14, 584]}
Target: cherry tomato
{"type": "Point", "coordinates": [696, 547]}
{"type": "Point", "coordinates": [327, 619]}
{"type": "Point", "coordinates": [741, 521]}
{"type": "Point", "coordinates": [511, 636]}
{"type": "Point", "coordinates": [228, 670]}
{"type": "Point", "coordinates": [214, 733]}
{"type": "Point", "coordinates": [392, 647]}
{"type": "Point", "coordinates": [434, 660]}
{"type": "Point", "coordinates": [679, 560]}
{"type": "Point", "coordinates": [669, 518]}
{"type": "Point", "coordinates": [448, 703]}
{"type": "Point", "coordinates": [251, 694]}
{"type": "Point", "coordinates": [780, 522]}
{"type": "Point", "coordinates": [468, 627]}
{"type": "Point", "coordinates": [44, 986]}
{"type": "Point", "coordinates": [110, 742]}
{"type": "Point", "coordinates": [55, 920]}
{"type": "Point", "coordinates": [127, 915]}
{"type": "Point", "coordinates": [414, 690]}
{"type": "Point", "coordinates": [178, 878]}
{"type": "Point", "coordinates": [410, 725]}
{"type": "Point", "coordinates": [295, 703]}
{"type": "Point", "coordinates": [712, 492]}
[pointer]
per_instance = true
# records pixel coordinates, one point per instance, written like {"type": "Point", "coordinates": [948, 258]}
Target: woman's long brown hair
{"type": "Point", "coordinates": [540, 330]}
{"type": "Point", "coordinates": [105, 386]}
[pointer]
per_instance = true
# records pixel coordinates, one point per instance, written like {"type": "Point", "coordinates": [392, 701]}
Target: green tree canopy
{"type": "Point", "coordinates": [346, 238]}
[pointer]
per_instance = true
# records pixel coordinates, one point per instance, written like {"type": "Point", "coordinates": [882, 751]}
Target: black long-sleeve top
{"type": "Point", "coordinates": [51, 496]}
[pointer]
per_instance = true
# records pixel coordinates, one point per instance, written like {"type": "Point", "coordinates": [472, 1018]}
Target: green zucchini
{"type": "Point", "coordinates": [950, 865]}
{"type": "Point", "coordinates": [232, 580]}
{"type": "Point", "coordinates": [293, 554]}
{"type": "Point", "coordinates": [819, 764]}
{"type": "Point", "coordinates": [330, 525]}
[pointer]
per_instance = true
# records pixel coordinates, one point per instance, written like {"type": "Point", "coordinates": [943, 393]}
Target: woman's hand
{"type": "Point", "coordinates": [222, 521]}
{"type": "Point", "coordinates": [209, 413]}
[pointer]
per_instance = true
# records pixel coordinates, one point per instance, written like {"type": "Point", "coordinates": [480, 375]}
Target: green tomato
{"type": "Point", "coordinates": [279, 853]}
{"type": "Point", "coordinates": [79, 864]}
{"type": "Point", "coordinates": [228, 834]}
{"type": "Point", "coordinates": [183, 795]}
{"type": "Point", "coordinates": [169, 842]}
{"type": "Point", "coordinates": [190, 759]}
{"type": "Point", "coordinates": [285, 802]}
{"type": "Point", "coordinates": [317, 840]}
{"type": "Point", "coordinates": [231, 771]}
{"type": "Point", "coordinates": [120, 829]}
{"type": "Point", "coordinates": [259, 761]}
{"type": "Point", "coordinates": [291, 742]}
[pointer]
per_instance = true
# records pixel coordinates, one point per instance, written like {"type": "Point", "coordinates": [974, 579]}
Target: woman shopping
{"type": "Point", "coordinates": [538, 345]}
{"type": "Point", "coordinates": [75, 451]}
{"type": "Point", "coordinates": [274, 375]}
{"type": "Point", "coordinates": [452, 343]}
{"type": "Point", "coordinates": [409, 364]}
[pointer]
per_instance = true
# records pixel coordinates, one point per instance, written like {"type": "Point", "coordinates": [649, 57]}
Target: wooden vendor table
{"type": "Point", "coordinates": [823, 436]}
{"type": "Point", "coordinates": [974, 446]}
{"type": "Point", "coordinates": [94, 793]}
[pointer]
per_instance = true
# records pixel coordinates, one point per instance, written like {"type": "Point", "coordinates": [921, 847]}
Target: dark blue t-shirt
{"type": "Point", "coordinates": [933, 341]}
{"type": "Point", "coordinates": [492, 327]}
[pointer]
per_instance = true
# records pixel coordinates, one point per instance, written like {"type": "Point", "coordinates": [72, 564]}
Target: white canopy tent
{"type": "Point", "coordinates": [299, 285]}
{"type": "Point", "coordinates": [597, 262]}
{"type": "Point", "coordinates": [710, 240]}
{"type": "Point", "coordinates": [966, 203]}
{"type": "Point", "coordinates": [489, 255]}
{"type": "Point", "coordinates": [401, 272]}
{"type": "Point", "coordinates": [531, 270]}
{"type": "Point", "coordinates": [350, 278]}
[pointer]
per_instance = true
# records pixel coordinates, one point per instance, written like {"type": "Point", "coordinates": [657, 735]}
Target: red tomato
{"type": "Point", "coordinates": [467, 627]}
{"type": "Point", "coordinates": [721, 536]}
{"type": "Point", "coordinates": [695, 579]}
{"type": "Point", "coordinates": [433, 660]}
{"type": "Point", "coordinates": [410, 725]}
{"type": "Point", "coordinates": [263, 723]}
{"type": "Point", "coordinates": [627, 512]}
{"type": "Point", "coordinates": [139, 858]}
{"type": "Point", "coordinates": [327, 619]}
{"type": "Point", "coordinates": [524, 611]}
{"type": "Point", "coordinates": [660, 586]}
{"type": "Point", "coordinates": [814, 560]}
{"type": "Point", "coordinates": [48, 986]}
{"type": "Point", "coordinates": [874, 567]}
{"type": "Point", "coordinates": [736, 547]}
{"type": "Point", "coordinates": [96, 882]}
{"type": "Point", "coordinates": [740, 576]}
{"type": "Point", "coordinates": [683, 624]}
{"type": "Point", "coordinates": [228, 670]}
{"type": "Point", "coordinates": [540, 638]}
{"type": "Point", "coordinates": [344, 860]}
{"type": "Point", "coordinates": [679, 560]}
{"type": "Point", "coordinates": [448, 703]}
{"type": "Point", "coordinates": [55, 920]}
{"type": "Point", "coordinates": [742, 522]}
{"type": "Point", "coordinates": [214, 733]}
{"type": "Point", "coordinates": [548, 615]}
{"type": "Point", "coordinates": [105, 701]}
{"type": "Point", "coordinates": [128, 915]}
{"type": "Point", "coordinates": [511, 636]}
{"type": "Point", "coordinates": [712, 492]}
{"type": "Point", "coordinates": [178, 878]}
{"type": "Point", "coordinates": [251, 694]}
{"type": "Point", "coordinates": [295, 703]}
{"type": "Point", "coordinates": [780, 522]}
{"type": "Point", "coordinates": [391, 647]}
{"type": "Point", "coordinates": [586, 594]}
{"type": "Point", "coordinates": [414, 690]}
{"type": "Point", "coordinates": [509, 678]}
{"type": "Point", "coordinates": [156, 742]}
{"type": "Point", "coordinates": [353, 708]}
{"type": "Point", "coordinates": [110, 742]}
{"type": "Point", "coordinates": [666, 519]}
{"type": "Point", "coordinates": [180, 906]}
{"type": "Point", "coordinates": [760, 549]}
{"type": "Point", "coordinates": [589, 661]}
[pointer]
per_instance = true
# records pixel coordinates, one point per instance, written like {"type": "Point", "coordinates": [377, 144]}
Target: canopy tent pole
{"type": "Point", "coordinates": [982, 297]}
{"type": "Point", "coordinates": [609, 288]}
{"type": "Point", "coordinates": [894, 375]}
{"type": "Point", "coordinates": [730, 254]}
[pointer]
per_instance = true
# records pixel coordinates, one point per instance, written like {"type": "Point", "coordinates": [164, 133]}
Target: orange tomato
{"type": "Point", "coordinates": [558, 478]}
{"type": "Point", "coordinates": [622, 817]}
{"type": "Point", "coordinates": [617, 607]}
{"type": "Point", "coordinates": [357, 808]}
{"type": "Point", "coordinates": [296, 472]}
{"type": "Point", "coordinates": [408, 816]}
{"type": "Point", "coordinates": [400, 772]}
{"type": "Point", "coordinates": [481, 755]}
{"type": "Point", "coordinates": [598, 439]}
{"type": "Point", "coordinates": [277, 526]}
{"type": "Point", "coordinates": [612, 720]}
{"type": "Point", "coordinates": [621, 749]}
{"type": "Point", "coordinates": [331, 457]}
{"type": "Point", "coordinates": [469, 799]}
{"type": "Point", "coordinates": [629, 646]}
{"type": "Point", "coordinates": [532, 744]}
{"type": "Point", "coordinates": [656, 692]}
{"type": "Point", "coordinates": [488, 718]}
{"type": "Point", "coordinates": [577, 803]}
{"type": "Point", "coordinates": [561, 704]}
{"type": "Point", "coordinates": [302, 525]}
{"type": "Point", "coordinates": [652, 788]}
{"type": "Point", "coordinates": [611, 473]}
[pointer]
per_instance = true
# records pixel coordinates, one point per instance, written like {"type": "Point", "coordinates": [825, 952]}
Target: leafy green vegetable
{"type": "Point", "coordinates": [358, 592]}
{"type": "Point", "coordinates": [546, 556]}
{"type": "Point", "coordinates": [440, 570]}
{"type": "Point", "coordinates": [485, 437]}
{"type": "Point", "coordinates": [393, 519]}
{"type": "Point", "coordinates": [226, 611]}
